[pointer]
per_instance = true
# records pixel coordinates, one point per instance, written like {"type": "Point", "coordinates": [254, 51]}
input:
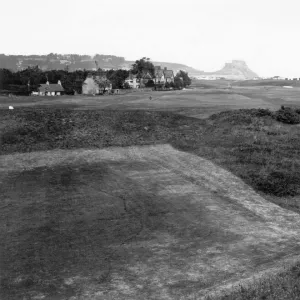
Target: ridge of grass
{"type": "Point", "coordinates": [251, 143]}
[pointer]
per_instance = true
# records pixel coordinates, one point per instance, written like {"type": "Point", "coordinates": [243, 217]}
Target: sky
{"type": "Point", "coordinates": [203, 34]}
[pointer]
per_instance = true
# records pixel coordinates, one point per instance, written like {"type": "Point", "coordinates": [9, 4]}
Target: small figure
{"type": "Point", "coordinates": [150, 98]}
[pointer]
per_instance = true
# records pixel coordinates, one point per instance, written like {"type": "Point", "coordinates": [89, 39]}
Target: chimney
{"type": "Point", "coordinates": [47, 82]}
{"type": "Point", "coordinates": [59, 82]}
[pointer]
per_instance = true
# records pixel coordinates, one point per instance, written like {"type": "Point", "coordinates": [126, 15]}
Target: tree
{"type": "Point", "coordinates": [182, 79]}
{"type": "Point", "coordinates": [117, 78]}
{"type": "Point", "coordinates": [143, 66]}
{"type": "Point", "coordinates": [178, 82]}
{"type": "Point", "coordinates": [126, 85]}
{"type": "Point", "coordinates": [103, 83]}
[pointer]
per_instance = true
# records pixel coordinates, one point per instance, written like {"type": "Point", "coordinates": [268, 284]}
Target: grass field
{"type": "Point", "coordinates": [123, 198]}
{"type": "Point", "coordinates": [196, 103]}
{"type": "Point", "coordinates": [268, 82]}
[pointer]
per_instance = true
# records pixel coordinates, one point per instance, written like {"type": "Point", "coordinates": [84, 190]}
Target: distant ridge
{"type": "Point", "coordinates": [237, 69]}
{"type": "Point", "coordinates": [74, 62]}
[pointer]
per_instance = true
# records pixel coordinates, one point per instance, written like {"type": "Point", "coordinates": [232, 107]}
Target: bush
{"type": "Point", "coordinates": [277, 182]}
{"type": "Point", "coordinates": [297, 111]}
{"type": "Point", "coordinates": [261, 112]}
{"type": "Point", "coordinates": [240, 116]}
{"type": "Point", "coordinates": [287, 115]}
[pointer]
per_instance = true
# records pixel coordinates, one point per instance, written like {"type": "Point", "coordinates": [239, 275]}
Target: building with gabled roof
{"type": "Point", "coordinates": [169, 75]}
{"type": "Point", "coordinates": [50, 89]}
{"type": "Point", "coordinates": [162, 76]}
{"type": "Point", "coordinates": [133, 81]}
{"type": "Point", "coordinates": [159, 77]}
{"type": "Point", "coordinates": [145, 79]}
{"type": "Point", "coordinates": [90, 85]}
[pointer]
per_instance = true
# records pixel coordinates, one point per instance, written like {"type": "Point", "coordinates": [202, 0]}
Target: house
{"type": "Point", "coordinates": [162, 76]}
{"type": "Point", "coordinates": [159, 77]}
{"type": "Point", "coordinates": [96, 84]}
{"type": "Point", "coordinates": [146, 78]}
{"type": "Point", "coordinates": [133, 81]}
{"type": "Point", "coordinates": [90, 86]}
{"type": "Point", "coordinates": [169, 75]}
{"type": "Point", "coordinates": [50, 89]}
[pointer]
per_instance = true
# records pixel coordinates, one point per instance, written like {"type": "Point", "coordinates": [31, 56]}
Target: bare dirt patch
{"type": "Point", "coordinates": [193, 227]}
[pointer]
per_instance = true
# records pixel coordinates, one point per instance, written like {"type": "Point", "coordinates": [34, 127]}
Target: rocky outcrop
{"type": "Point", "coordinates": [237, 69]}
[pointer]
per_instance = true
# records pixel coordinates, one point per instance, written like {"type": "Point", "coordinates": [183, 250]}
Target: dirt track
{"type": "Point", "coordinates": [218, 230]}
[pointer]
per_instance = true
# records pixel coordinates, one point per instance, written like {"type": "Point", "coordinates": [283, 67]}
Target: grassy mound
{"type": "Point", "coordinates": [259, 149]}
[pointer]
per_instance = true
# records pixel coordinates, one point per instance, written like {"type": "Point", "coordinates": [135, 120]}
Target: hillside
{"type": "Point", "coordinates": [171, 66]}
{"type": "Point", "coordinates": [74, 62]}
{"type": "Point", "coordinates": [236, 70]}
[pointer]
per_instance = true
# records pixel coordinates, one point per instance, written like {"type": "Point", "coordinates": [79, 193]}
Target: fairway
{"type": "Point", "coordinates": [147, 222]}
{"type": "Point", "coordinates": [198, 103]}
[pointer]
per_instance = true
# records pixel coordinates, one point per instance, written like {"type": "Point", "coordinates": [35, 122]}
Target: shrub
{"type": "Point", "coordinates": [261, 112]}
{"type": "Point", "coordinates": [277, 182]}
{"type": "Point", "coordinates": [297, 111]}
{"type": "Point", "coordinates": [287, 115]}
{"type": "Point", "coordinates": [242, 116]}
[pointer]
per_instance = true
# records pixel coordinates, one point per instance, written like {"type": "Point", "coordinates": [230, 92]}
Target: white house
{"type": "Point", "coordinates": [50, 89]}
{"type": "Point", "coordinates": [91, 87]}
{"type": "Point", "coordinates": [133, 81]}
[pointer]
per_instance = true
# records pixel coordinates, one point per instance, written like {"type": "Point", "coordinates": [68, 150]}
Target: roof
{"type": "Point", "coordinates": [159, 73]}
{"type": "Point", "coordinates": [52, 87]}
{"type": "Point", "coordinates": [147, 76]}
{"type": "Point", "coordinates": [168, 73]}
{"type": "Point", "coordinates": [96, 78]}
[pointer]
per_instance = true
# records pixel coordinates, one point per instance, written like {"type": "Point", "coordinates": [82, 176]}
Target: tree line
{"type": "Point", "coordinates": [28, 80]}
{"type": "Point", "coordinates": [144, 66]}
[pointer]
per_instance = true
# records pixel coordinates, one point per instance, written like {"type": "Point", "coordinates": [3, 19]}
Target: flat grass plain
{"type": "Point", "coordinates": [137, 199]}
{"type": "Point", "coordinates": [203, 99]}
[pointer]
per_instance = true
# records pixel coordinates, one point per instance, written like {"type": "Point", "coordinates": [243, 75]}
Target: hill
{"type": "Point", "coordinates": [75, 62]}
{"type": "Point", "coordinates": [236, 70]}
